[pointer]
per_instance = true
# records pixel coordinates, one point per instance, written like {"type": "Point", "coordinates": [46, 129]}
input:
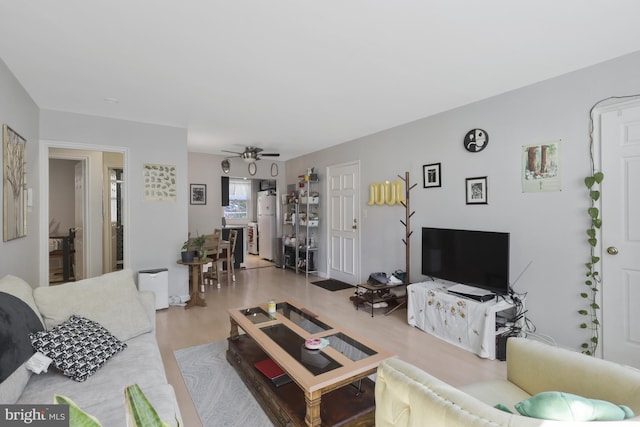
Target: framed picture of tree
{"type": "Point", "coordinates": [14, 157]}
{"type": "Point", "coordinates": [541, 167]}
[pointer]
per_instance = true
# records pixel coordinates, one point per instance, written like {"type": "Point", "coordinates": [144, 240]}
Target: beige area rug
{"type": "Point", "coordinates": [218, 393]}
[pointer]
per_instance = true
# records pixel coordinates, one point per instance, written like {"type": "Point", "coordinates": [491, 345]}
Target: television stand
{"type": "Point", "coordinates": [463, 322]}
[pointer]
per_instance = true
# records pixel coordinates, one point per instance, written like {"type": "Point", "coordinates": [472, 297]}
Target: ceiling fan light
{"type": "Point", "coordinates": [249, 156]}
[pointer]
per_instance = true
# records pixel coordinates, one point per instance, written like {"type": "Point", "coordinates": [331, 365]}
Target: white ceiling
{"type": "Point", "coordinates": [295, 76]}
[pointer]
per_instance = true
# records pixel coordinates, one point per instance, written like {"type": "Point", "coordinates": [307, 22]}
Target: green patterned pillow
{"type": "Point", "coordinates": [559, 406]}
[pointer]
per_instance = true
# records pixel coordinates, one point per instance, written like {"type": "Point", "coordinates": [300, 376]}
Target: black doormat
{"type": "Point", "coordinates": [332, 285]}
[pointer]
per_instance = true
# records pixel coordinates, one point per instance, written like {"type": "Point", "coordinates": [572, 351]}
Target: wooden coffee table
{"type": "Point", "coordinates": [322, 379]}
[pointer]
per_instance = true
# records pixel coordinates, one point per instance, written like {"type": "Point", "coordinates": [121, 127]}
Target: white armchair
{"type": "Point", "coordinates": [408, 396]}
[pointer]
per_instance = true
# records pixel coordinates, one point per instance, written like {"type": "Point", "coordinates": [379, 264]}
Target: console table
{"type": "Point", "coordinates": [460, 321]}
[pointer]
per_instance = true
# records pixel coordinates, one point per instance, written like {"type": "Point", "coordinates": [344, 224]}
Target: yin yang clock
{"type": "Point", "coordinates": [476, 140]}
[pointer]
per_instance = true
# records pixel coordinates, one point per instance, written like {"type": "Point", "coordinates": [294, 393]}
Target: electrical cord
{"type": "Point", "coordinates": [518, 323]}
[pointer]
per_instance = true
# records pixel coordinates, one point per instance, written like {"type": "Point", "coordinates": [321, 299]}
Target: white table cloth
{"type": "Point", "coordinates": [460, 321]}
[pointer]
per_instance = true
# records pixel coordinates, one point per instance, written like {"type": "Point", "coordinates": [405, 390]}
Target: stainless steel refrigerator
{"type": "Point", "coordinates": [266, 224]}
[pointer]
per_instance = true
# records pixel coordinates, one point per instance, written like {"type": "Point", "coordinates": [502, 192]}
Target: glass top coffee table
{"type": "Point", "coordinates": [346, 359]}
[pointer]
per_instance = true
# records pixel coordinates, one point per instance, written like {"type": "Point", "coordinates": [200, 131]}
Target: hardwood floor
{"type": "Point", "coordinates": [179, 328]}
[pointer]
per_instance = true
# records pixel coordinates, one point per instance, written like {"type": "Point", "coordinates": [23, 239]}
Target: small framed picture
{"type": "Point", "coordinates": [476, 190]}
{"type": "Point", "coordinates": [198, 194]}
{"type": "Point", "coordinates": [431, 175]}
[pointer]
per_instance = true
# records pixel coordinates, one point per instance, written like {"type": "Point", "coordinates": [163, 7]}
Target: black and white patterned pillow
{"type": "Point", "coordinates": [78, 347]}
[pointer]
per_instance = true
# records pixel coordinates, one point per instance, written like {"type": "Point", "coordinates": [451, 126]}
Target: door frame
{"type": "Point", "coordinates": [610, 104]}
{"type": "Point", "coordinates": [327, 214]}
{"type": "Point", "coordinates": [44, 147]}
{"type": "Point", "coordinates": [107, 166]}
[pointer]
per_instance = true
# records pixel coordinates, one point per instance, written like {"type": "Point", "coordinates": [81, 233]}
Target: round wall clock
{"type": "Point", "coordinates": [252, 168]}
{"type": "Point", "coordinates": [226, 167]}
{"type": "Point", "coordinates": [274, 169]}
{"type": "Point", "coordinates": [476, 140]}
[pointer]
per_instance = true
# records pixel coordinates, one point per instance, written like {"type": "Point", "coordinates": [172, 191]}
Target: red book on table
{"type": "Point", "coordinates": [271, 370]}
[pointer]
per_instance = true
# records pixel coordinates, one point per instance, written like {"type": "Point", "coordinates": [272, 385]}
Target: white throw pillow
{"type": "Point", "coordinates": [19, 288]}
{"type": "Point", "coordinates": [111, 300]}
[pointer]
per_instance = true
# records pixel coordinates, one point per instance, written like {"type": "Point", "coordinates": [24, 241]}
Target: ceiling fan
{"type": "Point", "coordinates": [251, 154]}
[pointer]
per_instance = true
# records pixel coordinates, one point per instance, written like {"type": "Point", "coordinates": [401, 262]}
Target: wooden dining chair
{"type": "Point", "coordinates": [212, 245]}
{"type": "Point", "coordinates": [233, 236]}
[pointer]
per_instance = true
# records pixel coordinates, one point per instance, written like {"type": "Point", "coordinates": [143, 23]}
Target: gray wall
{"type": "Point", "coordinates": [20, 257]}
{"type": "Point", "coordinates": [156, 229]}
{"type": "Point", "coordinates": [546, 228]}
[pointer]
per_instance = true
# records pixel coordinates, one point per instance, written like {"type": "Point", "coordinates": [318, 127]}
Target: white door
{"type": "Point", "coordinates": [621, 235]}
{"type": "Point", "coordinates": [79, 220]}
{"type": "Point", "coordinates": [344, 222]}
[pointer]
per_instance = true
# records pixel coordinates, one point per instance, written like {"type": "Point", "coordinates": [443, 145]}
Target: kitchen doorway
{"type": "Point", "coordinates": [244, 212]}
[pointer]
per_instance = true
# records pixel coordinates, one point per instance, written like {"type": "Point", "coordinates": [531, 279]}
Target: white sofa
{"type": "Point", "coordinates": [113, 301]}
{"type": "Point", "coordinates": [408, 396]}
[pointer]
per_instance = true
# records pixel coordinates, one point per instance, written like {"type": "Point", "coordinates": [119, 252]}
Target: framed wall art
{"type": "Point", "coordinates": [431, 175]}
{"type": "Point", "coordinates": [160, 182]}
{"type": "Point", "coordinates": [476, 190]}
{"type": "Point", "coordinates": [541, 167]}
{"type": "Point", "coordinates": [14, 160]}
{"type": "Point", "coordinates": [198, 194]}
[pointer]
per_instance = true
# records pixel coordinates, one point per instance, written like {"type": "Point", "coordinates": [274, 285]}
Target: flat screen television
{"type": "Point", "coordinates": [473, 258]}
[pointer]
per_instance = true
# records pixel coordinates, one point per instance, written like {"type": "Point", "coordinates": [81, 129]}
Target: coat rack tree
{"type": "Point", "coordinates": [407, 237]}
{"type": "Point", "coordinates": [408, 214]}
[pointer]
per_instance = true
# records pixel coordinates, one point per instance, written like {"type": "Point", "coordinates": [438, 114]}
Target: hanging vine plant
{"type": "Point", "coordinates": [593, 276]}
{"type": "Point", "coordinates": [593, 281]}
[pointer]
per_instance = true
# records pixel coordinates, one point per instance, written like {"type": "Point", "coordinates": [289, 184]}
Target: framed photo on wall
{"type": "Point", "coordinates": [431, 175]}
{"type": "Point", "coordinates": [198, 194]}
{"type": "Point", "coordinates": [476, 190]}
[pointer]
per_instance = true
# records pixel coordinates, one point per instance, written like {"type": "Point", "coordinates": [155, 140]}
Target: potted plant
{"type": "Point", "coordinates": [193, 246]}
{"type": "Point", "coordinates": [198, 243]}
{"type": "Point", "coordinates": [187, 254]}
{"type": "Point", "coordinates": [140, 413]}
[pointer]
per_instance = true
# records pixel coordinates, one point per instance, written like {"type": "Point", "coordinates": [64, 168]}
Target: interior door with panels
{"type": "Point", "coordinates": [344, 219]}
{"type": "Point", "coordinates": [621, 234]}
